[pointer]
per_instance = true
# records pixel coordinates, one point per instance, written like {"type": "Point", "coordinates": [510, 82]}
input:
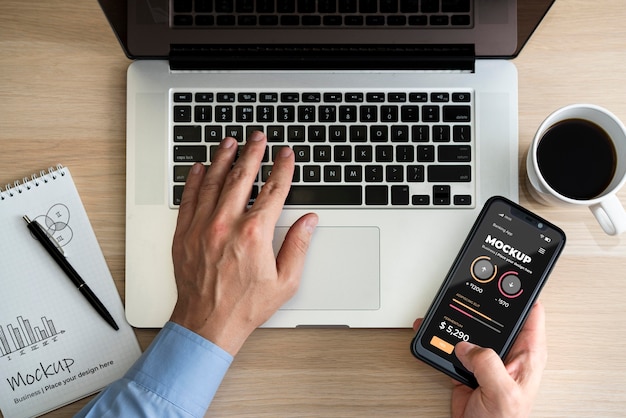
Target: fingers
{"type": "Point", "coordinates": [486, 365]}
{"type": "Point", "coordinates": [189, 200]}
{"type": "Point", "coordinates": [238, 180]}
{"type": "Point", "coordinates": [271, 199]}
{"type": "Point", "coordinates": [528, 357]}
{"type": "Point", "coordinates": [417, 323]}
{"type": "Point", "coordinates": [533, 333]}
{"type": "Point", "coordinates": [291, 256]}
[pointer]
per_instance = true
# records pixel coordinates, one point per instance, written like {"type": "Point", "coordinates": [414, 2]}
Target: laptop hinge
{"type": "Point", "coordinates": [322, 57]}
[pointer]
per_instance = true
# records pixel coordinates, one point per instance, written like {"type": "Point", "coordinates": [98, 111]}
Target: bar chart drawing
{"type": "Point", "coordinates": [15, 338]}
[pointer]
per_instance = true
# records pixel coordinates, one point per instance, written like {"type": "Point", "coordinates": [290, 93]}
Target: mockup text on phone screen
{"type": "Point", "coordinates": [502, 265]}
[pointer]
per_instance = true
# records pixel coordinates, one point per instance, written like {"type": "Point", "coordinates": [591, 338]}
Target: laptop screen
{"type": "Point", "coordinates": [494, 28]}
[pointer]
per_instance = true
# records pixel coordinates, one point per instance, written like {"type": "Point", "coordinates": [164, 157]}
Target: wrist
{"type": "Point", "coordinates": [220, 330]}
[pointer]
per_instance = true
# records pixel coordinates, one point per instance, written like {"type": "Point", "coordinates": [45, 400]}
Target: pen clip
{"type": "Point", "coordinates": [50, 237]}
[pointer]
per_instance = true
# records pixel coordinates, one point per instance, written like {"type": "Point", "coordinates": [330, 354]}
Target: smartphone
{"type": "Point", "coordinates": [491, 286]}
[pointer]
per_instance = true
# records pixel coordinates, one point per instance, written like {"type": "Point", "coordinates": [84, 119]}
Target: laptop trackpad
{"type": "Point", "coordinates": [342, 269]}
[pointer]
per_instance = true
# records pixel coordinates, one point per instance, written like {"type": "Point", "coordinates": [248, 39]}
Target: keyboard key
{"type": "Point", "coordinates": [247, 97]}
{"type": "Point", "coordinates": [235, 131]}
{"type": "Point", "coordinates": [213, 133]}
{"type": "Point", "coordinates": [204, 97]}
{"type": "Point", "coordinates": [322, 153]}
{"type": "Point", "coordinates": [420, 200]}
{"type": "Point", "coordinates": [290, 97]}
{"type": "Point", "coordinates": [286, 114]}
{"type": "Point", "coordinates": [182, 113]}
{"type": "Point", "coordinates": [449, 173]}
{"type": "Point", "coordinates": [375, 97]}
{"type": "Point", "coordinates": [203, 113]}
{"type": "Point", "coordinates": [182, 97]}
{"type": "Point", "coordinates": [325, 195]}
{"type": "Point", "coordinates": [311, 97]}
{"type": "Point", "coordinates": [363, 153]}
{"type": "Point", "coordinates": [358, 133]}
{"type": "Point", "coordinates": [405, 154]}
{"type": "Point", "coordinates": [376, 195]}
{"type": "Point", "coordinates": [302, 153]}
{"type": "Point", "coordinates": [399, 195]}
{"type": "Point", "coordinates": [327, 113]}
{"type": "Point", "coordinates": [311, 173]}
{"type": "Point", "coordinates": [441, 133]}
{"type": "Point", "coordinates": [342, 154]}
{"type": "Point", "coordinates": [379, 133]}
{"type": "Point", "coordinates": [374, 173]}
{"type": "Point", "coordinates": [439, 97]}
{"type": "Point", "coordinates": [317, 133]}
{"type": "Point", "coordinates": [190, 154]}
{"type": "Point", "coordinates": [337, 134]}
{"type": "Point", "coordinates": [177, 194]}
{"type": "Point", "coordinates": [347, 6]}
{"type": "Point", "coordinates": [399, 133]}
{"type": "Point", "coordinates": [268, 97]}
{"type": "Point", "coordinates": [455, 6]}
{"type": "Point", "coordinates": [181, 172]}
{"type": "Point", "coordinates": [426, 153]}
{"type": "Point", "coordinates": [295, 133]}
{"type": "Point", "coordinates": [244, 113]}
{"type": "Point", "coordinates": [463, 200]}
{"type": "Point", "coordinates": [353, 173]}
{"type": "Point", "coordinates": [275, 134]}
{"type": "Point", "coordinates": [384, 153]}
{"type": "Point", "coordinates": [420, 133]}
{"type": "Point", "coordinates": [408, 6]}
{"type": "Point", "coordinates": [430, 113]}
{"type": "Point", "coordinates": [461, 133]}
{"type": "Point", "coordinates": [456, 113]}
{"type": "Point", "coordinates": [454, 153]}
{"type": "Point", "coordinates": [394, 173]}
{"type": "Point", "coordinates": [461, 97]}
{"type": "Point", "coordinates": [225, 97]}
{"type": "Point", "coordinates": [430, 6]}
{"type": "Point", "coordinates": [187, 133]}
{"type": "Point", "coordinates": [396, 97]}
{"type": "Point", "coordinates": [415, 173]}
{"type": "Point", "coordinates": [332, 173]}
{"type": "Point", "coordinates": [441, 195]}
{"type": "Point", "coordinates": [223, 113]}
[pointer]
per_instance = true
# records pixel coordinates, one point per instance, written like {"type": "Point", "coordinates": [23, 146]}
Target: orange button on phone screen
{"type": "Point", "coordinates": [442, 345]}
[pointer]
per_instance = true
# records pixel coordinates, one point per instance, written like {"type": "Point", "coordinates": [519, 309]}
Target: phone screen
{"type": "Point", "coordinates": [493, 283]}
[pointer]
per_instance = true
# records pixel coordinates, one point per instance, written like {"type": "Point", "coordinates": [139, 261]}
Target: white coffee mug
{"type": "Point", "coordinates": [605, 206]}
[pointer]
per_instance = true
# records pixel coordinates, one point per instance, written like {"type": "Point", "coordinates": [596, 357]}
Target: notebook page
{"type": "Point", "coordinates": [54, 346]}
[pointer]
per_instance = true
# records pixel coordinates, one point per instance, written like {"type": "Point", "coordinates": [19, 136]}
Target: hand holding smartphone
{"type": "Point", "coordinates": [491, 286]}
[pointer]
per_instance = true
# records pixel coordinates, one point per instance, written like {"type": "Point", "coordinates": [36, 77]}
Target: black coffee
{"type": "Point", "coordinates": [577, 158]}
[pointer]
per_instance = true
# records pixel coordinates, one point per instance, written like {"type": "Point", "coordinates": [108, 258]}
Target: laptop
{"type": "Point", "coordinates": [402, 116]}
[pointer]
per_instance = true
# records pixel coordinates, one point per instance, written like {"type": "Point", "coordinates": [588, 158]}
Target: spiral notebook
{"type": "Point", "coordinates": [54, 347]}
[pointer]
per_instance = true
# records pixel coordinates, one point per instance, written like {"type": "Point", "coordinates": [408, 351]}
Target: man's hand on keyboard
{"type": "Point", "coordinates": [228, 280]}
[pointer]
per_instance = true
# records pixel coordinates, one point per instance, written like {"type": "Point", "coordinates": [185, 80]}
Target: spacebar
{"type": "Point", "coordinates": [325, 195]}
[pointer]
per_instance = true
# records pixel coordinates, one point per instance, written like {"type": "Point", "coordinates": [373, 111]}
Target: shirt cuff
{"type": "Point", "coordinates": [182, 367]}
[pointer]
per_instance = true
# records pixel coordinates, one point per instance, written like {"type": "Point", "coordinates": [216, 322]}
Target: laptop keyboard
{"type": "Point", "coordinates": [321, 13]}
{"type": "Point", "coordinates": [369, 149]}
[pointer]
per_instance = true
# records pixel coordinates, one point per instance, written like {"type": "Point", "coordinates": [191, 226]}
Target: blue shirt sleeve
{"type": "Point", "coordinates": [177, 376]}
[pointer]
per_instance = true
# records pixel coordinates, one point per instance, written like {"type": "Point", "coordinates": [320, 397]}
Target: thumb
{"type": "Point", "coordinates": [292, 254]}
{"type": "Point", "coordinates": [487, 367]}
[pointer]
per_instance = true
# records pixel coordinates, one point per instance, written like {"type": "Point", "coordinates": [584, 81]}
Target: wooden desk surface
{"type": "Point", "coordinates": [62, 99]}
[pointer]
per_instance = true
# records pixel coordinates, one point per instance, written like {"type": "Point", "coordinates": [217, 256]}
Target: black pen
{"type": "Point", "coordinates": [46, 241]}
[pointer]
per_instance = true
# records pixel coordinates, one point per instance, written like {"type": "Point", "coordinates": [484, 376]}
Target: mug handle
{"type": "Point", "coordinates": [610, 215]}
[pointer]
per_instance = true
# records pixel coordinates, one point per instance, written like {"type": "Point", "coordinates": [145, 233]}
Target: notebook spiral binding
{"type": "Point", "coordinates": [20, 186]}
